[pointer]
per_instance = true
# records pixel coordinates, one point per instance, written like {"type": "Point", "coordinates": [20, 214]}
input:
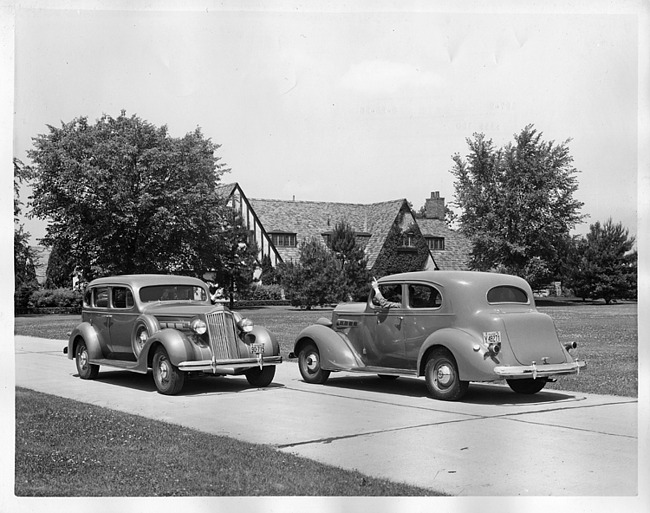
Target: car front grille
{"type": "Point", "coordinates": [223, 339]}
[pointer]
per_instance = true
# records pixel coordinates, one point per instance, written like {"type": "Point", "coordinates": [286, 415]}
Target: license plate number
{"type": "Point", "coordinates": [257, 348]}
{"type": "Point", "coordinates": [492, 337]}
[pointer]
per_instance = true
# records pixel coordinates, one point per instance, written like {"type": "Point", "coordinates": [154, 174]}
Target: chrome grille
{"type": "Point", "coordinates": [223, 339]}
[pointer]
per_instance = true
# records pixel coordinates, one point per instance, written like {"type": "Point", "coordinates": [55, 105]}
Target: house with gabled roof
{"type": "Point", "coordinates": [280, 226]}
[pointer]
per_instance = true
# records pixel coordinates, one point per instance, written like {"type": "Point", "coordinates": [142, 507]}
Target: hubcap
{"type": "Point", "coordinates": [83, 359]}
{"type": "Point", "coordinates": [312, 362]}
{"type": "Point", "coordinates": [444, 375]}
{"type": "Point", "coordinates": [163, 368]}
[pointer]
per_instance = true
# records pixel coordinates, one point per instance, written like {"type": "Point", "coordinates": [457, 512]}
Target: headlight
{"type": "Point", "coordinates": [198, 326]}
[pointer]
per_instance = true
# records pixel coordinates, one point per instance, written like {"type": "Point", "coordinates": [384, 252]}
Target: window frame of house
{"type": "Point", "coordinates": [283, 239]}
{"type": "Point", "coordinates": [436, 243]}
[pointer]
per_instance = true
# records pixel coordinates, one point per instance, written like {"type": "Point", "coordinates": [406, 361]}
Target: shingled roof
{"type": "Point", "coordinates": [455, 256]}
{"type": "Point", "coordinates": [312, 219]}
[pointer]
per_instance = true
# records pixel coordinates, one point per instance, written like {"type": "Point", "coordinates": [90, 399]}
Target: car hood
{"type": "Point", "coordinates": [180, 308]}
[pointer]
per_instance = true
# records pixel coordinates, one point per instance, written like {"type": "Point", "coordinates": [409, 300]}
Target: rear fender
{"type": "Point", "coordinates": [472, 365]}
{"type": "Point", "coordinates": [86, 332]}
{"type": "Point", "coordinates": [336, 352]}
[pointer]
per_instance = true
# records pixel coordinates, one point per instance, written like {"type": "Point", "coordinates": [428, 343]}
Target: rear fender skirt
{"type": "Point", "coordinates": [336, 352]}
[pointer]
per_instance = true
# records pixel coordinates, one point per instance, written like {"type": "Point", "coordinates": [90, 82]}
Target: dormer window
{"type": "Point", "coordinates": [283, 239]}
{"type": "Point", "coordinates": [436, 243]}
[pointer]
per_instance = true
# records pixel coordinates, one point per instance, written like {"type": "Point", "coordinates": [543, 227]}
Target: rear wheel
{"type": "Point", "coordinates": [85, 369]}
{"type": "Point", "coordinates": [309, 364]}
{"type": "Point", "coordinates": [526, 386]}
{"type": "Point", "coordinates": [441, 376]}
{"type": "Point", "coordinates": [261, 377]}
{"type": "Point", "coordinates": [169, 380]}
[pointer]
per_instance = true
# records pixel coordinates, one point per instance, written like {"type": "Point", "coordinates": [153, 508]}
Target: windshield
{"type": "Point", "coordinates": [172, 293]}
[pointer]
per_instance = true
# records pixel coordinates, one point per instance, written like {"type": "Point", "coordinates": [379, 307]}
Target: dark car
{"type": "Point", "coordinates": [167, 324]}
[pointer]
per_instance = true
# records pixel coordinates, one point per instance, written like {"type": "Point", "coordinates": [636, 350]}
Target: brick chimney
{"type": "Point", "coordinates": [434, 207]}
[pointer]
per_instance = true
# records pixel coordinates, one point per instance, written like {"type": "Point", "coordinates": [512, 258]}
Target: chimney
{"type": "Point", "coordinates": [434, 207]}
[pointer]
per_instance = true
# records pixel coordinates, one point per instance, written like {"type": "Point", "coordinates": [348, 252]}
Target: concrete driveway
{"type": "Point", "coordinates": [494, 443]}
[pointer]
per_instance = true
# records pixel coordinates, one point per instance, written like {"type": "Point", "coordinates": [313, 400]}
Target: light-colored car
{"type": "Point", "coordinates": [167, 324]}
{"type": "Point", "coordinates": [451, 327]}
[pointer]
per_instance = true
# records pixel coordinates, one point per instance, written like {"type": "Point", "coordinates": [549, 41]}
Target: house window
{"type": "Point", "coordinates": [408, 241]}
{"type": "Point", "coordinates": [284, 240]}
{"type": "Point", "coordinates": [436, 243]}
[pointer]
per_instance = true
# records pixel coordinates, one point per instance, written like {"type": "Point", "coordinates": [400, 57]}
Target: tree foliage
{"type": "Point", "coordinates": [517, 205]}
{"type": "Point", "coordinates": [315, 280]}
{"type": "Point", "coordinates": [352, 261]}
{"type": "Point", "coordinates": [25, 258]}
{"type": "Point", "coordinates": [123, 196]}
{"type": "Point", "coordinates": [604, 263]}
{"type": "Point", "coordinates": [236, 255]}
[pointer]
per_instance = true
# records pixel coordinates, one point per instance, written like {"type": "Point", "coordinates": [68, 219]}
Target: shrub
{"type": "Point", "coordinates": [55, 298]}
{"type": "Point", "coordinates": [266, 292]}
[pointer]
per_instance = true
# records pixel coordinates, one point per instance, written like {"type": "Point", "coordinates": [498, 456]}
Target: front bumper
{"type": "Point", "coordinates": [539, 371]}
{"type": "Point", "coordinates": [228, 366]}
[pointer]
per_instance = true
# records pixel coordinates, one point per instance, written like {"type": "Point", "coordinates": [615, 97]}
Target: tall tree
{"type": "Point", "coordinates": [352, 261]}
{"type": "Point", "coordinates": [124, 196]}
{"type": "Point", "coordinates": [517, 205]}
{"type": "Point", "coordinates": [604, 264]}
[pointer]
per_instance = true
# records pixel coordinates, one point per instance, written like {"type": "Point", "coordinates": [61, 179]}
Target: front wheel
{"type": "Point", "coordinates": [85, 369]}
{"type": "Point", "coordinates": [169, 380]}
{"type": "Point", "coordinates": [526, 386]}
{"type": "Point", "coordinates": [309, 364]}
{"type": "Point", "coordinates": [441, 376]}
{"type": "Point", "coordinates": [261, 377]}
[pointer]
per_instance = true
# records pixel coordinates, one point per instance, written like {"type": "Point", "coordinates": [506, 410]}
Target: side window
{"type": "Point", "coordinates": [100, 297]}
{"type": "Point", "coordinates": [424, 296]}
{"type": "Point", "coordinates": [391, 293]}
{"type": "Point", "coordinates": [122, 297]}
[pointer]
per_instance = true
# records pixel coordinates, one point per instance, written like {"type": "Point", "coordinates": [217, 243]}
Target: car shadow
{"type": "Point", "coordinates": [478, 393]}
{"type": "Point", "coordinates": [193, 386]}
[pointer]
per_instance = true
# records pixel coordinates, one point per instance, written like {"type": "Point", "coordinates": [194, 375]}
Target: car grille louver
{"type": "Point", "coordinates": [223, 339]}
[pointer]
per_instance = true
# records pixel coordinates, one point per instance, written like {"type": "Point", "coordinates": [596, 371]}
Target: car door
{"type": "Point", "coordinates": [387, 339]}
{"type": "Point", "coordinates": [427, 312]}
{"type": "Point", "coordinates": [123, 316]}
{"type": "Point", "coordinates": [99, 316]}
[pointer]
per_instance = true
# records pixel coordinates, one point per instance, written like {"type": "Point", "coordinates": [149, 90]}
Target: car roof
{"type": "Point", "coordinates": [144, 280]}
{"type": "Point", "coordinates": [457, 278]}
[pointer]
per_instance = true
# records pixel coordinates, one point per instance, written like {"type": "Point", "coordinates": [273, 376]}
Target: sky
{"type": "Point", "coordinates": [346, 102]}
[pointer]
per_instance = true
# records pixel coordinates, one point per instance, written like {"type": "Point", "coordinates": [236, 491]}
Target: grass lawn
{"type": "Point", "coordinates": [131, 456]}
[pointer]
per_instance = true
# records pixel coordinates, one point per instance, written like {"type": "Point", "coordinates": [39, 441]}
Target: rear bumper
{"type": "Point", "coordinates": [539, 371]}
{"type": "Point", "coordinates": [228, 366]}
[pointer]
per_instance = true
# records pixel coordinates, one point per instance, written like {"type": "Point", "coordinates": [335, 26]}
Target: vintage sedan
{"type": "Point", "coordinates": [451, 327]}
{"type": "Point", "coordinates": [167, 324]}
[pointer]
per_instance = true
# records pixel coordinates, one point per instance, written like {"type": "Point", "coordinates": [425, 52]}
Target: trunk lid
{"type": "Point", "coordinates": [533, 338]}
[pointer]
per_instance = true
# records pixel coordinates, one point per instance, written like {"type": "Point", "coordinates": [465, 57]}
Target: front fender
{"type": "Point", "coordinates": [336, 352]}
{"type": "Point", "coordinates": [87, 332]}
{"type": "Point", "coordinates": [179, 348]}
{"type": "Point", "coordinates": [472, 365]}
{"type": "Point", "coordinates": [260, 335]}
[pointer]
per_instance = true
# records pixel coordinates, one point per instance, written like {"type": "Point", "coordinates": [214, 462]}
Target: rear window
{"type": "Point", "coordinates": [507, 294]}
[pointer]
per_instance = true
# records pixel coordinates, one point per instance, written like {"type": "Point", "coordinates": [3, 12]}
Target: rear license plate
{"type": "Point", "coordinates": [257, 348]}
{"type": "Point", "coordinates": [491, 337]}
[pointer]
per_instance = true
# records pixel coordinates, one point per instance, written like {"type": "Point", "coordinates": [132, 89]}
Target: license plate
{"type": "Point", "coordinates": [492, 337]}
{"type": "Point", "coordinates": [257, 348]}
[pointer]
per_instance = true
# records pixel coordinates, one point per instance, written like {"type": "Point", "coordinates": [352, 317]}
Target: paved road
{"type": "Point", "coordinates": [494, 443]}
